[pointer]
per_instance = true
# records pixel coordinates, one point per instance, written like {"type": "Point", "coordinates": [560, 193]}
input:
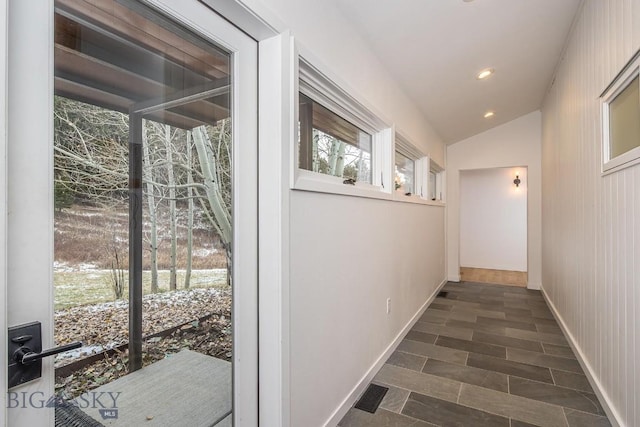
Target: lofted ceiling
{"type": "Point", "coordinates": [435, 49]}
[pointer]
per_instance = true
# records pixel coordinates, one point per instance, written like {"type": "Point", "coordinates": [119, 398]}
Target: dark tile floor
{"type": "Point", "coordinates": [484, 355]}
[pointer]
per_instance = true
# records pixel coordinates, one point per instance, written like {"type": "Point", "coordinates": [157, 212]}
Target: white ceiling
{"type": "Point", "coordinates": [435, 48]}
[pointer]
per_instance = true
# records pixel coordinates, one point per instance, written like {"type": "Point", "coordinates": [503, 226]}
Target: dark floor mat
{"type": "Point", "coordinates": [371, 398]}
{"type": "Point", "coordinates": [72, 416]}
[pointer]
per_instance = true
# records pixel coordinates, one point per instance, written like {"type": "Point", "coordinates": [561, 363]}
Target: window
{"type": "Point", "coordinates": [331, 145]}
{"type": "Point", "coordinates": [342, 147]}
{"type": "Point", "coordinates": [621, 119]}
{"type": "Point", "coordinates": [433, 178]}
{"type": "Point", "coordinates": [404, 174]}
{"type": "Point", "coordinates": [436, 182]}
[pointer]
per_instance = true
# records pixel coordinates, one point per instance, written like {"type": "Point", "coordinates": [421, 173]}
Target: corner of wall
{"type": "Point", "coordinates": [603, 397]}
{"type": "Point", "coordinates": [534, 286]}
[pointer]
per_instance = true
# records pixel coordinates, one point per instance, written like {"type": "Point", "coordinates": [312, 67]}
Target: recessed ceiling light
{"type": "Point", "coordinates": [489, 114]}
{"type": "Point", "coordinates": [485, 73]}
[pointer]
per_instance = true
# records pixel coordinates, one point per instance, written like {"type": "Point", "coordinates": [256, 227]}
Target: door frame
{"type": "Point", "coordinates": [3, 202]}
{"type": "Point", "coordinates": [244, 57]}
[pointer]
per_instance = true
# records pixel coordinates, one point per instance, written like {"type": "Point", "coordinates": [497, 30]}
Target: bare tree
{"type": "Point", "coordinates": [147, 172]}
{"type": "Point", "coordinates": [186, 167]}
{"type": "Point", "coordinates": [171, 182]}
{"type": "Point", "coordinates": [191, 205]}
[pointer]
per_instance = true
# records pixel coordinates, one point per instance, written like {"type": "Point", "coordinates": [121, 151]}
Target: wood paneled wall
{"type": "Point", "coordinates": [591, 222]}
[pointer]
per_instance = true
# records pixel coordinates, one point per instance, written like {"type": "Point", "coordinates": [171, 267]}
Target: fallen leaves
{"type": "Point", "coordinates": [106, 326]}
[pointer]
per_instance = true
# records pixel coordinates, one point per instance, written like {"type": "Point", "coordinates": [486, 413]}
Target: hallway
{"type": "Point", "coordinates": [484, 355]}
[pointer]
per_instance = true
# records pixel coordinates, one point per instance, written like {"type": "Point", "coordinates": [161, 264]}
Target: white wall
{"type": "Point", "coordinates": [591, 234]}
{"type": "Point", "coordinates": [517, 143]}
{"type": "Point", "coordinates": [493, 219]}
{"type": "Point", "coordinates": [349, 254]}
{"type": "Point", "coordinates": [341, 53]}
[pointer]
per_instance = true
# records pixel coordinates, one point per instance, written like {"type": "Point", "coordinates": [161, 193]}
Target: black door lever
{"type": "Point", "coordinates": [25, 356]}
{"type": "Point", "coordinates": [25, 353]}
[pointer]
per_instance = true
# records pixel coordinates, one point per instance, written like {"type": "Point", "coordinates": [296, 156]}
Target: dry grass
{"type": "Point", "coordinates": [90, 235]}
{"type": "Point", "coordinates": [87, 239]}
{"type": "Point", "coordinates": [76, 288]}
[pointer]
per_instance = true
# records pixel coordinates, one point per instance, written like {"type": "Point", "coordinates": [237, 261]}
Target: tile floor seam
{"type": "Point", "coordinates": [516, 396]}
{"type": "Point", "coordinates": [564, 413]}
{"type": "Point", "coordinates": [555, 385]}
{"type": "Point", "coordinates": [549, 368]}
{"type": "Point", "coordinates": [471, 407]}
{"type": "Point", "coordinates": [562, 408]}
{"type": "Point", "coordinates": [595, 405]}
{"type": "Point", "coordinates": [566, 408]}
{"type": "Point", "coordinates": [552, 377]}
{"type": "Point", "coordinates": [406, 399]}
{"type": "Point", "coordinates": [424, 364]}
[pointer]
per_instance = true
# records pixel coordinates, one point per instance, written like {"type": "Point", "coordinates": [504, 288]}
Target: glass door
{"type": "Point", "coordinates": [153, 217]}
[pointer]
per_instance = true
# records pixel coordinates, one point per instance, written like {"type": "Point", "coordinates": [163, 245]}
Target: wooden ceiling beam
{"type": "Point", "coordinates": [116, 82]}
{"type": "Point", "coordinates": [90, 95]}
{"type": "Point", "coordinates": [113, 16]}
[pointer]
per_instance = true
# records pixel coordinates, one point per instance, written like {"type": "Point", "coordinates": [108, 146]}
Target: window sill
{"type": "Point", "coordinates": [414, 198]}
{"type": "Point", "coordinates": [623, 161]}
{"type": "Point", "coordinates": [318, 183]}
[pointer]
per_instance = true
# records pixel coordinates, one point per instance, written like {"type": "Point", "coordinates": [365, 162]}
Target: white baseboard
{"type": "Point", "coordinates": [357, 391]}
{"type": "Point", "coordinates": [454, 278]}
{"type": "Point", "coordinates": [603, 397]}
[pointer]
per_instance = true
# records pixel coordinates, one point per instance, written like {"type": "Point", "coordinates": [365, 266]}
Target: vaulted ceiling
{"type": "Point", "coordinates": [435, 49]}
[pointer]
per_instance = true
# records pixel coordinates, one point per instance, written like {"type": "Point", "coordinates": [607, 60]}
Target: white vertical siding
{"type": "Point", "coordinates": [591, 223]}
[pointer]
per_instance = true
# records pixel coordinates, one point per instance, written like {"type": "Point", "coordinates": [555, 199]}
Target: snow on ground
{"type": "Point", "coordinates": [105, 325]}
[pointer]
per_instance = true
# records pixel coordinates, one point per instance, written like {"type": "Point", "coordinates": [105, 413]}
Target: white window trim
{"type": "Point", "coordinates": [440, 181]}
{"type": "Point", "coordinates": [421, 173]}
{"type": "Point", "coordinates": [314, 84]}
{"type": "Point", "coordinates": [621, 82]}
{"type": "Point", "coordinates": [404, 147]}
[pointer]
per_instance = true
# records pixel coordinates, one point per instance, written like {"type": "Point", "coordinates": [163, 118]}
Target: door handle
{"type": "Point", "coordinates": [25, 353]}
{"type": "Point", "coordinates": [25, 356]}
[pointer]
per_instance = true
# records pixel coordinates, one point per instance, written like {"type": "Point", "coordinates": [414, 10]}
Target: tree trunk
{"type": "Point", "coordinates": [336, 157]}
{"type": "Point", "coordinates": [171, 182]}
{"type": "Point", "coordinates": [187, 276]}
{"type": "Point", "coordinates": [314, 154]}
{"type": "Point", "coordinates": [218, 208]}
{"type": "Point", "coordinates": [361, 173]}
{"type": "Point", "coordinates": [340, 160]}
{"type": "Point", "coordinates": [151, 201]}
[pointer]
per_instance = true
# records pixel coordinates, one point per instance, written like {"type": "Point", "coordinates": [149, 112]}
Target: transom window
{"type": "Point", "coordinates": [331, 145]}
{"type": "Point", "coordinates": [404, 174]}
{"type": "Point", "coordinates": [342, 146]}
{"type": "Point", "coordinates": [435, 185]}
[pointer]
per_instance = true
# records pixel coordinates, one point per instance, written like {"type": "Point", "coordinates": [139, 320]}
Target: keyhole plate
{"type": "Point", "coordinates": [19, 373]}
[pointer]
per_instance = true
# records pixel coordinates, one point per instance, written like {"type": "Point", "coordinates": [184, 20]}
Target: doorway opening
{"type": "Point", "coordinates": [493, 226]}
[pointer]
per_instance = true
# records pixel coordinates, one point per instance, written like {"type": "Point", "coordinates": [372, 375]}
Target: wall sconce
{"type": "Point", "coordinates": [517, 181]}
